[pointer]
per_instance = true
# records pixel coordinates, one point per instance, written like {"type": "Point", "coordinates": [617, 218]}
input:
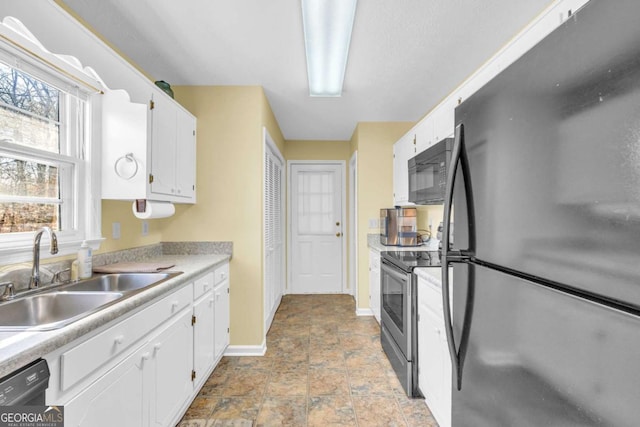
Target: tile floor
{"type": "Point", "coordinates": [324, 366]}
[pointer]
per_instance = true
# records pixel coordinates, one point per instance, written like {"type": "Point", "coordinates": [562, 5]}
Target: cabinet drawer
{"type": "Point", "coordinates": [222, 273]}
{"type": "Point", "coordinates": [85, 358]}
{"type": "Point", "coordinates": [203, 285]}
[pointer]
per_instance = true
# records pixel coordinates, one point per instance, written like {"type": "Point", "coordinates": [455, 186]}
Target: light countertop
{"type": "Point", "coordinates": [19, 348]}
{"type": "Point", "coordinates": [373, 241]}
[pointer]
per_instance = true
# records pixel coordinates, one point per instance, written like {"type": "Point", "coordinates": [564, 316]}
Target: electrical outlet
{"type": "Point", "coordinates": [373, 223]}
{"type": "Point", "coordinates": [145, 228]}
{"type": "Point", "coordinates": [115, 230]}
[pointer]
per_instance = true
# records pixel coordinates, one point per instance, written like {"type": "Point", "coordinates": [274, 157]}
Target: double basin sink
{"type": "Point", "coordinates": [56, 307]}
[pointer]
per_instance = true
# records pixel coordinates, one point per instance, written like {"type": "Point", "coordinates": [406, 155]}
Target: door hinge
{"type": "Point", "coordinates": [193, 375]}
{"type": "Point", "coordinates": [150, 178]}
{"type": "Point", "coordinates": [227, 290]}
{"type": "Point", "coordinates": [418, 317]}
{"type": "Point", "coordinates": [194, 133]}
{"type": "Point", "coordinates": [152, 105]}
{"type": "Point", "coordinates": [193, 320]}
{"type": "Point", "coordinates": [227, 330]}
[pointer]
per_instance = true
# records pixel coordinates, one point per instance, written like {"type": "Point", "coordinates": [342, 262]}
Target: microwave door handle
{"type": "Point", "coordinates": [458, 156]}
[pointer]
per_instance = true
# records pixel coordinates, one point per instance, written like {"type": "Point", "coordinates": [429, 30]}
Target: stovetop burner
{"type": "Point", "coordinates": [408, 260]}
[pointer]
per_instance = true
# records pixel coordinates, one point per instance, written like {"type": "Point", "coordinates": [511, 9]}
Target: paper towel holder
{"type": "Point", "coordinates": [150, 209]}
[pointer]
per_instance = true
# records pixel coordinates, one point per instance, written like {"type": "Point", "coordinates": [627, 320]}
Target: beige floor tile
{"type": "Point", "coordinates": [366, 382]}
{"type": "Point", "coordinates": [233, 408]}
{"type": "Point", "coordinates": [416, 412]}
{"type": "Point", "coordinates": [331, 411]}
{"type": "Point", "coordinates": [324, 381]}
{"type": "Point", "coordinates": [283, 411]}
{"type": "Point", "coordinates": [288, 383]}
{"type": "Point", "coordinates": [324, 366]}
{"type": "Point", "coordinates": [245, 383]}
{"type": "Point", "coordinates": [201, 408]}
{"type": "Point", "coordinates": [374, 411]}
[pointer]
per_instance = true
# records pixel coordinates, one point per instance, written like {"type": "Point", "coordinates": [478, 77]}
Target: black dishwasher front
{"type": "Point", "coordinates": [26, 386]}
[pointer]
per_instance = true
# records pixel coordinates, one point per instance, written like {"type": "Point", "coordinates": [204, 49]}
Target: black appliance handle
{"type": "Point", "coordinates": [393, 271]}
{"type": "Point", "coordinates": [458, 156]}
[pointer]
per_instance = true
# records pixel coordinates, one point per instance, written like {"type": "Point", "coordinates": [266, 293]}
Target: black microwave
{"type": "Point", "coordinates": [428, 174]}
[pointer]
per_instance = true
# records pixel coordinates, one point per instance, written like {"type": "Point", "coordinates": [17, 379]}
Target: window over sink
{"type": "Point", "coordinates": [46, 173]}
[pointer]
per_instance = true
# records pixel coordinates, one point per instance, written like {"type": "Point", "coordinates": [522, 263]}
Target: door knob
{"type": "Point", "coordinates": [338, 224]}
{"type": "Point", "coordinates": [338, 234]}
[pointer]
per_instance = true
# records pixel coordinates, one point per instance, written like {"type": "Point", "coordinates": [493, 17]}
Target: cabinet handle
{"type": "Point", "coordinates": [223, 276]}
{"type": "Point", "coordinates": [211, 301]}
{"type": "Point", "coordinates": [118, 339]}
{"type": "Point", "coordinates": [146, 356]}
{"type": "Point", "coordinates": [205, 287]}
{"type": "Point", "coordinates": [174, 305]}
{"type": "Point", "coordinates": [157, 347]}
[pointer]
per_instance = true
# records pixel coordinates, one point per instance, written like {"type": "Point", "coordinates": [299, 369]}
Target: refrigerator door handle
{"type": "Point", "coordinates": [458, 156]}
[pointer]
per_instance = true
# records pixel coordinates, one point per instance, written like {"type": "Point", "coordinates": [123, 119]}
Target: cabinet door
{"type": "Point", "coordinates": [119, 398]}
{"type": "Point", "coordinates": [203, 336]}
{"type": "Point", "coordinates": [222, 318]}
{"type": "Point", "coordinates": [172, 357]}
{"type": "Point", "coordinates": [434, 374]}
{"type": "Point", "coordinates": [424, 134]}
{"type": "Point", "coordinates": [186, 155]}
{"type": "Point", "coordinates": [402, 152]}
{"type": "Point", "coordinates": [163, 146]}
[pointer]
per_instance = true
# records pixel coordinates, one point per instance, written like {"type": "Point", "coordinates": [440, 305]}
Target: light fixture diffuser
{"type": "Point", "coordinates": [327, 33]}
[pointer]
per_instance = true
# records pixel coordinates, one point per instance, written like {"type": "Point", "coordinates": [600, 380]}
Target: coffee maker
{"type": "Point", "coordinates": [398, 227]}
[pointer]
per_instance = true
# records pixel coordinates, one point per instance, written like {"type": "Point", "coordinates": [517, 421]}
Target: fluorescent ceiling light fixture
{"type": "Point", "coordinates": [327, 34]}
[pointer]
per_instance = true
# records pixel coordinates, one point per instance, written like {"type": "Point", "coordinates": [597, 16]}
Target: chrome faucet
{"type": "Point", "coordinates": [53, 249]}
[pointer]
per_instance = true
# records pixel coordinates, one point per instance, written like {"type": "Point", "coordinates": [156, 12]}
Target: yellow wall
{"type": "Point", "coordinates": [229, 192]}
{"type": "Point", "coordinates": [317, 150]}
{"type": "Point", "coordinates": [429, 214]}
{"type": "Point", "coordinates": [374, 142]}
{"type": "Point", "coordinates": [130, 228]}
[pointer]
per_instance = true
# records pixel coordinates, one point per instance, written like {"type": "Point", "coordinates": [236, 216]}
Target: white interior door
{"type": "Point", "coordinates": [317, 251]}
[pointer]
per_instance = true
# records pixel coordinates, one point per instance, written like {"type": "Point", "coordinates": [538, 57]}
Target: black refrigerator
{"type": "Point", "coordinates": [543, 312]}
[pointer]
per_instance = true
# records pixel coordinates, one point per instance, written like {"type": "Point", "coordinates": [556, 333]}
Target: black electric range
{"type": "Point", "coordinates": [408, 260]}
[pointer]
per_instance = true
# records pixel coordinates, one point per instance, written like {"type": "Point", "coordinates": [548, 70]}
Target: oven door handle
{"type": "Point", "coordinates": [391, 270]}
{"type": "Point", "coordinates": [458, 156]}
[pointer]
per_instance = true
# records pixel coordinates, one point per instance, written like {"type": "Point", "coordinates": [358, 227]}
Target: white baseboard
{"type": "Point", "coordinates": [246, 350]}
{"type": "Point", "coordinates": [364, 312]}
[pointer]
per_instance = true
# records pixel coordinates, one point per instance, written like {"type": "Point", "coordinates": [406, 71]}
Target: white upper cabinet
{"type": "Point", "coordinates": [423, 131]}
{"type": "Point", "coordinates": [173, 154]}
{"type": "Point", "coordinates": [148, 150]}
{"type": "Point", "coordinates": [403, 150]}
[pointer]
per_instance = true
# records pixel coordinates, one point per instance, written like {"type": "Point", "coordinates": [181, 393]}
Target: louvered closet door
{"type": "Point", "coordinates": [273, 234]}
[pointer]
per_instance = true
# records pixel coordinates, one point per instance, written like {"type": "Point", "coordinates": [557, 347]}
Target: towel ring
{"type": "Point", "coordinates": [130, 159]}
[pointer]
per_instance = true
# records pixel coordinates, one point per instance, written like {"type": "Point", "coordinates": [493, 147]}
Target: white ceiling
{"type": "Point", "coordinates": [405, 55]}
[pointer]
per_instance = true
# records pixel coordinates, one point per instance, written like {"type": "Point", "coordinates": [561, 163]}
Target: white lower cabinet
{"type": "Point", "coordinates": [434, 364]}
{"type": "Point", "coordinates": [145, 369]}
{"type": "Point", "coordinates": [221, 293]}
{"type": "Point", "coordinates": [204, 315]}
{"type": "Point", "coordinates": [170, 359]}
{"type": "Point", "coordinates": [118, 398]}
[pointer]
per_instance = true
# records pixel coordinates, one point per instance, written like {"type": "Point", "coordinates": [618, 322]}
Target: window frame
{"type": "Point", "coordinates": [80, 155]}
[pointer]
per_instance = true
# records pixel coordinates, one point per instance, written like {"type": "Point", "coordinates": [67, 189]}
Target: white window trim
{"type": "Point", "coordinates": [22, 53]}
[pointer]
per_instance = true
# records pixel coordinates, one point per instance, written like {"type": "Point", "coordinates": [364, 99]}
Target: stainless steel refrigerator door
{"type": "Point", "coordinates": [553, 144]}
{"type": "Point", "coordinates": [537, 357]}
